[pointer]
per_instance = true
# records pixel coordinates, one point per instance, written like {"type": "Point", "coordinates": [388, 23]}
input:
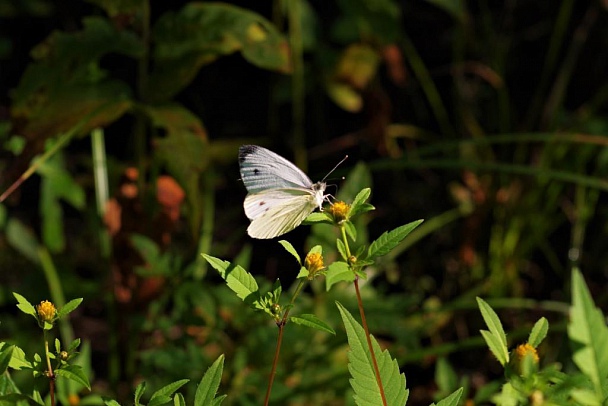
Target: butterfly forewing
{"type": "Point", "coordinates": [262, 169]}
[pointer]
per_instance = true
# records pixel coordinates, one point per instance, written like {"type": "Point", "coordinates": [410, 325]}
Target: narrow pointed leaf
{"type": "Point", "coordinates": [363, 381]}
{"type": "Point", "coordinates": [69, 307]}
{"type": "Point", "coordinates": [451, 400]}
{"type": "Point", "coordinates": [74, 373]}
{"type": "Point", "coordinates": [310, 320]}
{"type": "Point", "coordinates": [539, 332]}
{"type": "Point", "coordinates": [139, 391]}
{"type": "Point", "coordinates": [496, 346]}
{"type": "Point", "coordinates": [588, 336]}
{"type": "Point", "coordinates": [23, 305]}
{"type": "Point", "coordinates": [167, 391]}
{"type": "Point", "coordinates": [205, 393]}
{"type": "Point", "coordinates": [390, 239]}
{"type": "Point", "coordinates": [289, 248]}
{"type": "Point", "coordinates": [492, 321]}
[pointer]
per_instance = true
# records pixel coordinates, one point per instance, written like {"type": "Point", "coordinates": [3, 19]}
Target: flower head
{"type": "Point", "coordinates": [524, 349]}
{"type": "Point", "coordinates": [46, 311]}
{"type": "Point", "coordinates": [339, 210]}
{"type": "Point", "coordinates": [313, 263]}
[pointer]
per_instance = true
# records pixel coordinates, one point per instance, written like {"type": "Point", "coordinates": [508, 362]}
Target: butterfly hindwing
{"type": "Point", "coordinates": [262, 169]}
{"type": "Point", "coordinates": [278, 216]}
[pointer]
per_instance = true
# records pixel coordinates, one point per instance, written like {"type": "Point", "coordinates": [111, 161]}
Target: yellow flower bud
{"type": "Point", "coordinates": [313, 263]}
{"type": "Point", "coordinates": [524, 349]}
{"type": "Point", "coordinates": [46, 311]}
{"type": "Point", "coordinates": [339, 210]}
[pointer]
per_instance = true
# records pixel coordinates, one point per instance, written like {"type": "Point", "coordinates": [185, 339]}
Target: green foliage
{"type": "Point", "coordinates": [361, 367]}
{"type": "Point", "coordinates": [495, 337]}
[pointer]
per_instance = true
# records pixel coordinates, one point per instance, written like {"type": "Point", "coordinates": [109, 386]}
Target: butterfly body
{"type": "Point", "coordinates": [280, 195]}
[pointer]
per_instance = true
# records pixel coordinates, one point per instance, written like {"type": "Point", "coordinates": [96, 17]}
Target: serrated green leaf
{"type": "Point", "coordinates": [360, 366]}
{"type": "Point", "coordinates": [139, 391]}
{"type": "Point", "coordinates": [496, 346]}
{"type": "Point", "coordinates": [361, 198]}
{"type": "Point", "coordinates": [289, 248]}
{"type": "Point", "coordinates": [207, 388]}
{"type": "Point", "coordinates": [74, 373]}
{"type": "Point", "coordinates": [341, 249]}
{"type": "Point", "coordinates": [310, 320]}
{"type": "Point", "coordinates": [390, 239]}
{"type": "Point", "coordinates": [351, 230]}
{"type": "Point", "coordinates": [337, 272]}
{"type": "Point", "coordinates": [493, 322]}
{"type": "Point", "coordinates": [238, 280]}
{"type": "Point", "coordinates": [69, 307]}
{"type": "Point", "coordinates": [452, 400]}
{"type": "Point", "coordinates": [539, 332]}
{"type": "Point", "coordinates": [25, 306]}
{"type": "Point", "coordinates": [18, 359]}
{"type": "Point", "coordinates": [588, 335]}
{"type": "Point", "coordinates": [167, 390]}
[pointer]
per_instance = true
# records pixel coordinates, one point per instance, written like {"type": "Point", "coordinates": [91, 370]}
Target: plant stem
{"type": "Point", "coordinates": [364, 321]}
{"type": "Point", "coordinates": [281, 325]}
{"type": "Point", "coordinates": [369, 342]}
{"type": "Point", "coordinates": [50, 373]}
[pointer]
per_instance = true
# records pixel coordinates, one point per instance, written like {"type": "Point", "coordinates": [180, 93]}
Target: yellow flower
{"type": "Point", "coordinates": [46, 311]}
{"type": "Point", "coordinates": [313, 263]}
{"type": "Point", "coordinates": [339, 211]}
{"type": "Point", "coordinates": [524, 349]}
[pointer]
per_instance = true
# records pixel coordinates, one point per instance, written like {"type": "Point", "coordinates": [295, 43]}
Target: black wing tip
{"type": "Point", "coordinates": [245, 150]}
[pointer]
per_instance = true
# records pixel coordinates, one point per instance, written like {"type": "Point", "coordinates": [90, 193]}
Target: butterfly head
{"type": "Point", "coordinates": [319, 194]}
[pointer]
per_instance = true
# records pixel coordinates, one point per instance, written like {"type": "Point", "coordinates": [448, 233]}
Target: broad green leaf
{"type": "Point", "coordinates": [18, 359]}
{"type": "Point", "coordinates": [360, 366]}
{"type": "Point", "coordinates": [22, 239]}
{"type": "Point", "coordinates": [207, 388]}
{"type": "Point", "coordinates": [75, 373]}
{"type": "Point", "coordinates": [69, 307]}
{"type": "Point", "coordinates": [390, 239]}
{"type": "Point", "coordinates": [112, 402]}
{"type": "Point", "coordinates": [139, 391]}
{"type": "Point", "coordinates": [337, 272]}
{"type": "Point", "coordinates": [588, 335]}
{"type": "Point", "coordinates": [539, 332]}
{"type": "Point", "coordinates": [310, 320]}
{"type": "Point", "coordinates": [452, 400]}
{"type": "Point", "coordinates": [496, 346]}
{"type": "Point", "coordinates": [200, 33]}
{"type": "Point", "coordinates": [166, 391]}
{"type": "Point", "coordinates": [318, 217]}
{"type": "Point", "coordinates": [492, 321]}
{"type": "Point", "coordinates": [159, 400]}
{"type": "Point", "coordinates": [238, 280]}
{"type": "Point", "coordinates": [5, 357]}
{"type": "Point", "coordinates": [289, 248]}
{"type": "Point", "coordinates": [585, 397]}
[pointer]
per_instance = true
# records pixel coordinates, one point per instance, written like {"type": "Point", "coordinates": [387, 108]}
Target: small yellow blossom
{"type": "Point", "coordinates": [313, 263]}
{"type": "Point", "coordinates": [339, 211]}
{"type": "Point", "coordinates": [524, 349]}
{"type": "Point", "coordinates": [46, 311]}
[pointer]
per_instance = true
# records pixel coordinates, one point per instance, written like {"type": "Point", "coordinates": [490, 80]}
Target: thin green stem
{"type": "Point", "coordinates": [281, 325]}
{"type": "Point", "coordinates": [50, 373]}
{"type": "Point", "coordinates": [364, 321]}
{"type": "Point", "coordinates": [206, 237]}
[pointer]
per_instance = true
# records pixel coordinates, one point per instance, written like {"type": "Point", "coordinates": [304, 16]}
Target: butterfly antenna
{"type": "Point", "coordinates": [335, 167]}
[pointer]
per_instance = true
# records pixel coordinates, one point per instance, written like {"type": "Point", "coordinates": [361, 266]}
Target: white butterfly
{"type": "Point", "coordinates": [280, 195]}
